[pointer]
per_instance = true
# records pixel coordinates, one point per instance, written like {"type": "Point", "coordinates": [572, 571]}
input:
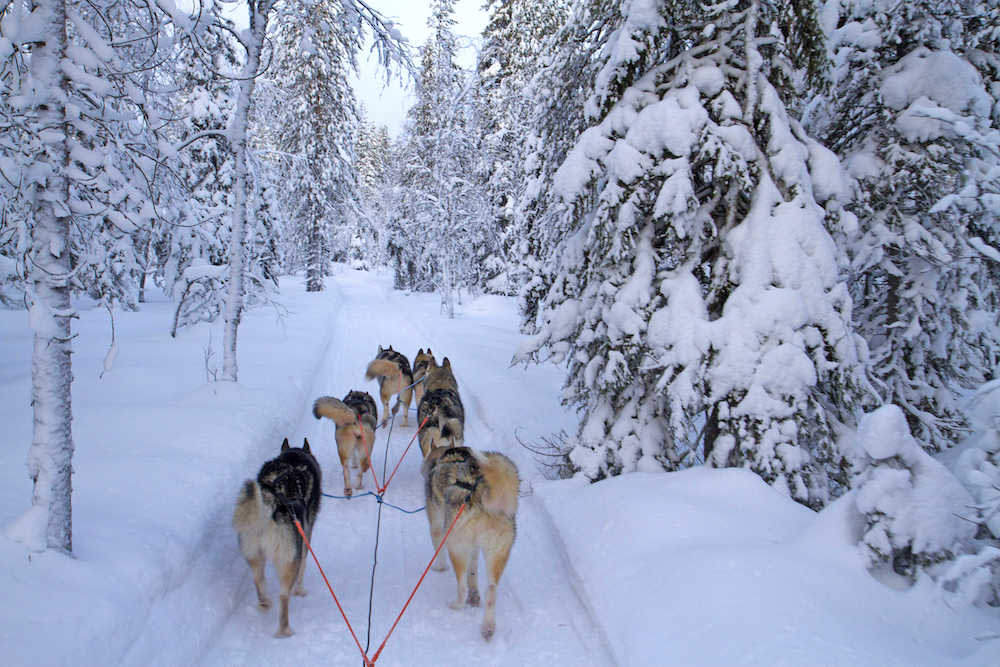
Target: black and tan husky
{"type": "Point", "coordinates": [487, 483]}
{"type": "Point", "coordinates": [355, 419]}
{"type": "Point", "coordinates": [442, 407]}
{"type": "Point", "coordinates": [392, 369]}
{"type": "Point", "coordinates": [287, 488]}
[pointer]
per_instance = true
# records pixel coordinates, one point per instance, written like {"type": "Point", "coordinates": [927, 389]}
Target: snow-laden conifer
{"type": "Point", "coordinates": [698, 298]}
{"type": "Point", "coordinates": [915, 124]}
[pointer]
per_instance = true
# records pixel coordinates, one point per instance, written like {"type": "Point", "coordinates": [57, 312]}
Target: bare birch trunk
{"type": "Point", "coordinates": [50, 457]}
{"type": "Point", "coordinates": [237, 244]}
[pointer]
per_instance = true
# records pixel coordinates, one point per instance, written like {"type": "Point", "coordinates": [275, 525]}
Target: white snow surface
{"type": "Point", "coordinates": [701, 567]}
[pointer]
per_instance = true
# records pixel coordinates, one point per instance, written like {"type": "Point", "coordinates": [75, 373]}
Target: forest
{"type": "Point", "coordinates": [757, 234]}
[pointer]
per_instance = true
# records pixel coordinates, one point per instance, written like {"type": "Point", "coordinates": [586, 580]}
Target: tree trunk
{"type": "Point", "coordinates": [237, 245]}
{"type": "Point", "coordinates": [50, 457]}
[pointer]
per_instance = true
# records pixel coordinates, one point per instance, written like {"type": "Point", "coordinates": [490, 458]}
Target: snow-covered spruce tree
{"type": "Point", "coordinates": [353, 23]}
{"type": "Point", "coordinates": [975, 577]}
{"type": "Point", "coordinates": [317, 126]}
{"type": "Point", "coordinates": [513, 41]}
{"type": "Point", "coordinates": [913, 507]}
{"type": "Point", "coordinates": [441, 225]}
{"type": "Point", "coordinates": [908, 114]}
{"type": "Point", "coordinates": [78, 151]}
{"type": "Point", "coordinates": [191, 248]}
{"type": "Point", "coordinates": [372, 150]}
{"type": "Point", "coordinates": [559, 97]}
{"type": "Point", "coordinates": [699, 297]}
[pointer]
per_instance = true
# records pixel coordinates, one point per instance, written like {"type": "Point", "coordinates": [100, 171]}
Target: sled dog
{"type": "Point", "coordinates": [421, 363]}
{"type": "Point", "coordinates": [355, 433]}
{"type": "Point", "coordinates": [442, 407]}
{"type": "Point", "coordinates": [487, 482]}
{"type": "Point", "coordinates": [287, 488]}
{"type": "Point", "coordinates": [394, 377]}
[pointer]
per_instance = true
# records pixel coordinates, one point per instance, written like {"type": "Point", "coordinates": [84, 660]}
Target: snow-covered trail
{"type": "Point", "coordinates": [540, 618]}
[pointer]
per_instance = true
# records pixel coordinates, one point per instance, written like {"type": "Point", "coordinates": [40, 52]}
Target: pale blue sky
{"type": "Point", "coordinates": [387, 105]}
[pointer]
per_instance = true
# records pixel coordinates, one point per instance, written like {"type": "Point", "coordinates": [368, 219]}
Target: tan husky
{"type": "Point", "coordinates": [442, 409]}
{"type": "Point", "coordinates": [394, 377]}
{"type": "Point", "coordinates": [421, 363]}
{"type": "Point", "coordinates": [355, 434]}
{"type": "Point", "coordinates": [487, 483]}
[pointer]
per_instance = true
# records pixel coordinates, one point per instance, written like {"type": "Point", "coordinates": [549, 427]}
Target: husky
{"type": "Point", "coordinates": [487, 482]}
{"type": "Point", "coordinates": [421, 363]}
{"type": "Point", "coordinates": [442, 407]}
{"type": "Point", "coordinates": [287, 489]}
{"type": "Point", "coordinates": [394, 377]}
{"type": "Point", "coordinates": [355, 434]}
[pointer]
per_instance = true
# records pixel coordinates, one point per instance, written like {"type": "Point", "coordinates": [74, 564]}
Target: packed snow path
{"type": "Point", "coordinates": [540, 618]}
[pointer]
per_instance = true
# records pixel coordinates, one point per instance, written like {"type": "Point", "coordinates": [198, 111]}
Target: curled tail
{"type": "Point", "coordinates": [381, 368]}
{"type": "Point", "coordinates": [248, 506]}
{"type": "Point", "coordinates": [335, 409]}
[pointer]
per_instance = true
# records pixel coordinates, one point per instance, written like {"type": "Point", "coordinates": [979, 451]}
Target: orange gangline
{"type": "Point", "coordinates": [382, 490]}
{"type": "Point", "coordinates": [330, 588]}
{"type": "Point", "coordinates": [420, 581]}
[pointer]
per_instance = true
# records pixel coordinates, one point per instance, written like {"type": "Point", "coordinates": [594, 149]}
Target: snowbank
{"type": "Point", "coordinates": [159, 456]}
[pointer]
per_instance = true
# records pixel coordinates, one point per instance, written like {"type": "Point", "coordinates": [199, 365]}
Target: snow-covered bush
{"type": "Point", "coordinates": [976, 577]}
{"type": "Point", "coordinates": [914, 508]}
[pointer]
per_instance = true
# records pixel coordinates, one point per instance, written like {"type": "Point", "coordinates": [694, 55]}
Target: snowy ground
{"type": "Point", "coordinates": [704, 567]}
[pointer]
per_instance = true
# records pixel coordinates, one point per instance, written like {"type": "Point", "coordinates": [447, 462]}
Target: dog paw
{"type": "Point", "coordinates": [439, 567]}
{"type": "Point", "coordinates": [473, 598]}
{"type": "Point", "coordinates": [301, 592]}
{"type": "Point", "coordinates": [487, 630]}
{"type": "Point", "coordinates": [348, 491]}
{"type": "Point", "coordinates": [283, 632]}
{"type": "Point", "coordinates": [264, 603]}
{"type": "Point", "coordinates": [457, 605]}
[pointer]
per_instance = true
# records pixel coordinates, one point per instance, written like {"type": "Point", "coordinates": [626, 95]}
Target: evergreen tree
{"type": "Point", "coordinates": [439, 229]}
{"type": "Point", "coordinates": [513, 41]}
{"type": "Point", "coordinates": [698, 294]}
{"type": "Point", "coordinates": [909, 115]}
{"type": "Point", "coordinates": [317, 125]}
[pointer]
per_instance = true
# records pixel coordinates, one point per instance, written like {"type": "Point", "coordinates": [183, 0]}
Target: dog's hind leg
{"type": "Point", "coordinates": [257, 566]}
{"type": "Point", "coordinates": [459, 555]}
{"type": "Point", "coordinates": [473, 578]}
{"type": "Point", "coordinates": [288, 573]}
{"type": "Point", "coordinates": [405, 397]}
{"type": "Point", "coordinates": [496, 556]}
{"type": "Point", "coordinates": [434, 519]}
{"type": "Point", "coordinates": [300, 589]}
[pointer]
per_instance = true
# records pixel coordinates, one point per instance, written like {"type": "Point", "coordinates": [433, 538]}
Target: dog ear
{"type": "Point", "coordinates": [390, 349]}
{"type": "Point", "coordinates": [380, 349]}
{"type": "Point", "coordinates": [446, 363]}
{"type": "Point", "coordinates": [420, 351]}
{"type": "Point", "coordinates": [285, 445]}
{"type": "Point", "coordinates": [429, 351]}
{"type": "Point", "coordinates": [305, 444]}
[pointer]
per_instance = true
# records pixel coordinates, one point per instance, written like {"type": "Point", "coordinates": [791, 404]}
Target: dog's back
{"type": "Point", "coordinates": [392, 369]}
{"type": "Point", "coordinates": [487, 484]}
{"type": "Point", "coordinates": [363, 405]}
{"type": "Point", "coordinates": [440, 409]}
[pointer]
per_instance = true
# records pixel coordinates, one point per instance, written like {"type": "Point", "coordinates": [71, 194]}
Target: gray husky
{"type": "Point", "coordinates": [442, 407]}
{"type": "Point", "coordinates": [287, 488]}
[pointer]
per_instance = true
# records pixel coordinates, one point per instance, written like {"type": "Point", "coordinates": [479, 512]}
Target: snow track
{"type": "Point", "coordinates": [540, 618]}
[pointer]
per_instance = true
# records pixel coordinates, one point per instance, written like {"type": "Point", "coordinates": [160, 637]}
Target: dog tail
{"type": "Point", "coordinates": [248, 506]}
{"type": "Point", "coordinates": [453, 430]}
{"type": "Point", "coordinates": [381, 368]}
{"type": "Point", "coordinates": [335, 409]}
{"type": "Point", "coordinates": [501, 483]}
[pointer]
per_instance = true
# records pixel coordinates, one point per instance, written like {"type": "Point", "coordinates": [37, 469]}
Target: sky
{"type": "Point", "coordinates": [699, 567]}
{"type": "Point", "coordinates": [387, 104]}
